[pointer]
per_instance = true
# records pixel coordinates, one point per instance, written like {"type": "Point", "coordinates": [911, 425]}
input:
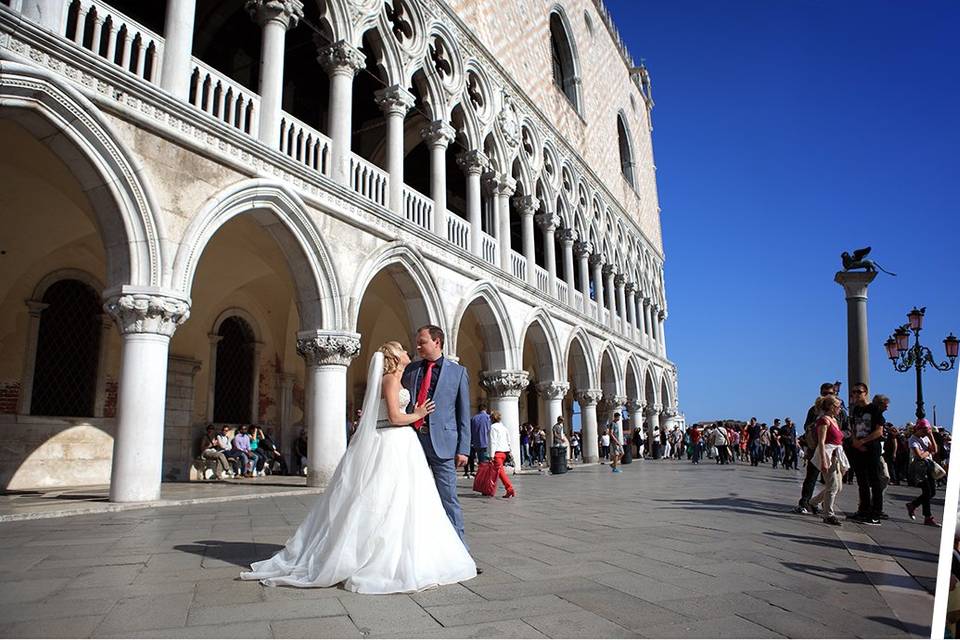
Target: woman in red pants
{"type": "Point", "coordinates": [500, 446]}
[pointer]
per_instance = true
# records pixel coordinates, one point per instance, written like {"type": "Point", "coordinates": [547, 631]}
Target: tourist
{"type": "Point", "coordinates": [810, 444]}
{"type": "Point", "coordinates": [866, 420]}
{"type": "Point", "coordinates": [615, 433]}
{"type": "Point", "coordinates": [923, 448]}
{"type": "Point", "coordinates": [210, 450]}
{"type": "Point", "coordinates": [241, 443]}
{"type": "Point", "coordinates": [829, 457]}
{"type": "Point", "coordinates": [500, 446]}
{"type": "Point", "coordinates": [258, 458]}
{"type": "Point", "coordinates": [558, 436]}
{"type": "Point", "coordinates": [575, 444]}
{"type": "Point", "coordinates": [776, 451]}
{"type": "Point", "coordinates": [764, 443]}
{"type": "Point", "coordinates": [269, 449]}
{"type": "Point", "coordinates": [525, 458]}
{"type": "Point", "coordinates": [788, 440]}
{"type": "Point", "coordinates": [479, 439]}
{"type": "Point", "coordinates": [668, 446]}
{"type": "Point", "coordinates": [695, 443]}
{"type": "Point", "coordinates": [733, 435]}
{"type": "Point", "coordinates": [300, 453]}
{"type": "Point", "coordinates": [720, 442]}
{"type": "Point", "coordinates": [539, 445]}
{"type": "Point", "coordinates": [605, 445]}
{"type": "Point", "coordinates": [753, 433]}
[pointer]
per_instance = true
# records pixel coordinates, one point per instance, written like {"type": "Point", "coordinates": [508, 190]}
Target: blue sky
{"type": "Point", "coordinates": [785, 133]}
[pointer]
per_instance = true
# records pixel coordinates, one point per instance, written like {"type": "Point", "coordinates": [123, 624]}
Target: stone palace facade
{"type": "Point", "coordinates": [214, 211]}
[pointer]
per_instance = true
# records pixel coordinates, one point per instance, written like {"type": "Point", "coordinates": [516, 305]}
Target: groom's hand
{"type": "Point", "coordinates": [461, 460]}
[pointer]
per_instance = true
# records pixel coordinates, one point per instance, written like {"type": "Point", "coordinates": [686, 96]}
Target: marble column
{"type": "Point", "coordinates": [583, 250]}
{"type": "Point", "coordinates": [635, 408]}
{"type": "Point", "coordinates": [473, 163]}
{"type": "Point", "coordinates": [438, 137]}
{"type": "Point", "coordinates": [654, 329]}
{"type": "Point", "coordinates": [653, 429]}
{"type": "Point", "coordinates": [178, 47]}
{"type": "Point", "coordinates": [611, 291]}
{"type": "Point", "coordinates": [395, 101]}
{"type": "Point", "coordinates": [256, 348]}
{"type": "Point", "coordinates": [34, 309]}
{"type": "Point", "coordinates": [341, 61]}
{"type": "Point", "coordinates": [527, 206]}
{"type": "Point", "coordinates": [620, 282]}
{"type": "Point", "coordinates": [631, 291]}
{"type": "Point", "coordinates": [214, 340]}
{"type": "Point", "coordinates": [648, 322]}
{"type": "Point", "coordinates": [503, 387]}
{"type": "Point", "coordinates": [327, 355]}
{"type": "Point", "coordinates": [551, 393]}
{"type": "Point", "coordinates": [587, 399]}
{"type": "Point", "coordinates": [275, 17]}
{"type": "Point", "coordinates": [855, 285]}
{"type": "Point", "coordinates": [502, 187]}
{"type": "Point", "coordinates": [49, 14]}
{"type": "Point", "coordinates": [596, 262]}
{"type": "Point", "coordinates": [566, 241]}
{"type": "Point", "coordinates": [661, 318]}
{"type": "Point", "coordinates": [285, 437]}
{"type": "Point", "coordinates": [548, 223]}
{"type": "Point", "coordinates": [146, 322]}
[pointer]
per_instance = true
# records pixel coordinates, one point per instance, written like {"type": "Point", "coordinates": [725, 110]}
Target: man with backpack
{"type": "Point", "coordinates": [810, 445]}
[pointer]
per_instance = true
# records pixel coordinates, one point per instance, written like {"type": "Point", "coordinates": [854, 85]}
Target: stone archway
{"type": "Point", "coordinates": [580, 367]}
{"type": "Point", "coordinates": [542, 401]}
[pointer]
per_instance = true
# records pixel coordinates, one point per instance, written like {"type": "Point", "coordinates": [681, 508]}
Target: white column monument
{"type": "Point", "coordinates": [608, 272]}
{"type": "Point", "coordinates": [583, 250]}
{"type": "Point", "coordinates": [274, 17]}
{"type": "Point", "coordinates": [502, 187]}
{"type": "Point", "coordinates": [504, 387]}
{"type": "Point", "coordinates": [855, 285]}
{"type": "Point", "coordinates": [631, 291]}
{"type": "Point", "coordinates": [566, 241]}
{"type": "Point", "coordinates": [178, 47]}
{"type": "Point", "coordinates": [341, 61]}
{"type": "Point", "coordinates": [548, 223]}
{"type": "Point", "coordinates": [587, 399]}
{"type": "Point", "coordinates": [146, 321]}
{"type": "Point", "coordinates": [395, 101]}
{"type": "Point", "coordinates": [527, 206]}
{"type": "Point", "coordinates": [327, 355]}
{"type": "Point", "coordinates": [620, 282]}
{"type": "Point", "coordinates": [596, 261]}
{"type": "Point", "coordinates": [473, 163]}
{"type": "Point", "coordinates": [438, 137]}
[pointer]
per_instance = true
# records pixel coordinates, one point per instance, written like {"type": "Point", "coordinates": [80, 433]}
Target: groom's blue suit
{"type": "Point", "coordinates": [448, 428]}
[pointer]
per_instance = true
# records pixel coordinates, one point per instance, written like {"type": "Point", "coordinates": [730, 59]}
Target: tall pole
{"type": "Point", "coordinates": [855, 285]}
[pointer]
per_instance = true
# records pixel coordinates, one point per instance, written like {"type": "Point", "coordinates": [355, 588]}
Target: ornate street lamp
{"type": "Point", "coordinates": [904, 357]}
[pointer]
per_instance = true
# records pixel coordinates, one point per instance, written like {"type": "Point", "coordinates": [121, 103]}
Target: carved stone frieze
{"type": "Point", "coordinates": [321, 348]}
{"type": "Point", "coordinates": [553, 390]}
{"type": "Point", "coordinates": [147, 313]}
{"type": "Point", "coordinates": [588, 397]}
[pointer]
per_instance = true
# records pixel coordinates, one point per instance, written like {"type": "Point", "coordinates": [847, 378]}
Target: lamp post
{"type": "Point", "coordinates": [904, 357]}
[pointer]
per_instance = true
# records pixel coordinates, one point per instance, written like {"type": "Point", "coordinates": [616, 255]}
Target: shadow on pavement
{"type": "Point", "coordinates": [746, 506]}
{"type": "Point", "coordinates": [913, 554]}
{"type": "Point", "coordinates": [837, 574]}
{"type": "Point", "coordinates": [238, 553]}
{"type": "Point", "coordinates": [916, 630]}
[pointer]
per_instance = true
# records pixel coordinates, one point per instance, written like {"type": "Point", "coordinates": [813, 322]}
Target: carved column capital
{"type": "Point", "coordinates": [286, 12]}
{"type": "Point", "coordinates": [473, 162]}
{"type": "Point", "coordinates": [619, 280]}
{"type": "Point", "coordinates": [500, 184]}
{"type": "Point", "coordinates": [504, 383]}
{"type": "Point", "coordinates": [547, 221]}
{"type": "Point", "coordinates": [394, 100]}
{"type": "Point", "coordinates": [634, 406]}
{"type": "Point", "coordinates": [553, 390]}
{"type": "Point", "coordinates": [341, 57]}
{"type": "Point", "coordinates": [596, 259]}
{"type": "Point", "coordinates": [147, 312]}
{"type": "Point", "coordinates": [588, 397]}
{"type": "Point", "coordinates": [526, 205]}
{"type": "Point", "coordinates": [321, 348]}
{"type": "Point", "coordinates": [582, 249]}
{"type": "Point", "coordinates": [607, 270]}
{"type": "Point", "coordinates": [566, 236]}
{"type": "Point", "coordinates": [630, 289]}
{"type": "Point", "coordinates": [438, 133]}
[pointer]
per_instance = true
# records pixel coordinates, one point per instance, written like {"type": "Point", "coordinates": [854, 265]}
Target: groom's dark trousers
{"type": "Point", "coordinates": [445, 474]}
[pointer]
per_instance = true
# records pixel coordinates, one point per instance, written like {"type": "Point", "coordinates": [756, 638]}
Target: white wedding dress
{"type": "Point", "coordinates": [380, 526]}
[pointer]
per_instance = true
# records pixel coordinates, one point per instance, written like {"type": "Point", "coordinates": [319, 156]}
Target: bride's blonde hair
{"type": "Point", "coordinates": [391, 355]}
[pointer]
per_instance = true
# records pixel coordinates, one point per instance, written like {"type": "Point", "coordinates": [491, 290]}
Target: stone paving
{"type": "Point", "coordinates": [664, 549]}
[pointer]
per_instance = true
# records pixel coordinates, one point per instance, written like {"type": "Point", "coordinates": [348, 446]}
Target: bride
{"type": "Point", "coordinates": [380, 526]}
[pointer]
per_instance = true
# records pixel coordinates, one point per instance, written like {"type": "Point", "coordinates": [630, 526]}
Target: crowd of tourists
{"type": "Point", "coordinates": [248, 451]}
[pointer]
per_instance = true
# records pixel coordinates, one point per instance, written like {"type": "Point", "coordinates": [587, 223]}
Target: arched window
{"type": "Point", "coordinates": [233, 386]}
{"type": "Point", "coordinates": [68, 347]}
{"type": "Point", "coordinates": [564, 59]}
{"type": "Point", "coordinates": [626, 154]}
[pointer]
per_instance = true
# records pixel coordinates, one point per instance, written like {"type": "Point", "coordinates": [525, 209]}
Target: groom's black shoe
{"type": "Point", "coordinates": [479, 570]}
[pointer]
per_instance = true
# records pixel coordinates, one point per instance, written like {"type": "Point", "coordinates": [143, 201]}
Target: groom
{"type": "Point", "coordinates": [444, 434]}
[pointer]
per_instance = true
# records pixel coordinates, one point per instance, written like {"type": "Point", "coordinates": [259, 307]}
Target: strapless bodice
{"type": "Point", "coordinates": [382, 418]}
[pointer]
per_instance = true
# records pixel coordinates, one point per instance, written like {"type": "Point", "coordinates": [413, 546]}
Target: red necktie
{"type": "Point", "coordinates": [422, 393]}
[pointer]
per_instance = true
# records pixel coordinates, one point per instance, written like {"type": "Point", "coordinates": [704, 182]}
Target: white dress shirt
{"type": "Point", "coordinates": [499, 438]}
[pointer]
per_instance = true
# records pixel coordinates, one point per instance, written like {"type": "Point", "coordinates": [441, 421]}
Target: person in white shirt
{"type": "Point", "coordinates": [500, 446]}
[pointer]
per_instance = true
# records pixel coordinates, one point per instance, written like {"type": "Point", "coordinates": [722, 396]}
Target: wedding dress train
{"type": "Point", "coordinates": [380, 526]}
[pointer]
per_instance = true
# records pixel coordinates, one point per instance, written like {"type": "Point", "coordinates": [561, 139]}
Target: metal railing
{"type": "Point", "coordinates": [304, 144]}
{"type": "Point", "coordinates": [417, 208]}
{"type": "Point", "coordinates": [107, 33]}
{"type": "Point", "coordinates": [518, 266]}
{"type": "Point", "coordinates": [368, 180]}
{"type": "Point", "coordinates": [488, 248]}
{"type": "Point", "coordinates": [458, 231]}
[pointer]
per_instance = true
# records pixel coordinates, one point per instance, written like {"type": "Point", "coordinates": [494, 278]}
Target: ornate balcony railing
{"type": "Point", "coordinates": [417, 208]}
{"type": "Point", "coordinates": [488, 248]}
{"type": "Point", "coordinates": [458, 231]}
{"type": "Point", "coordinates": [109, 34]}
{"type": "Point", "coordinates": [226, 100]}
{"type": "Point", "coordinates": [563, 293]}
{"type": "Point", "coordinates": [304, 144]}
{"type": "Point", "coordinates": [592, 309]}
{"type": "Point", "coordinates": [578, 301]}
{"type": "Point", "coordinates": [543, 279]}
{"type": "Point", "coordinates": [518, 266]}
{"type": "Point", "coordinates": [368, 180]}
